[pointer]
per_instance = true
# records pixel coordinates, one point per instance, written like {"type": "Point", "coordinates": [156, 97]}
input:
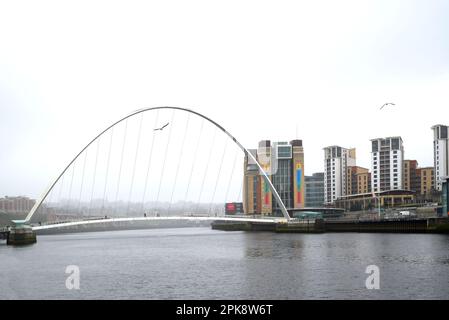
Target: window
{"type": "Point", "coordinates": [443, 132]}
{"type": "Point", "coordinates": [284, 152]}
{"type": "Point", "coordinates": [395, 143]}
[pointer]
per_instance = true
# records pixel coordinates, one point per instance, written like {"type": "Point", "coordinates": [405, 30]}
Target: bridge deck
{"type": "Point", "coordinates": [188, 218]}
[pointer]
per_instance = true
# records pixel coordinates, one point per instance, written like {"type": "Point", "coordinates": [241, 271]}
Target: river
{"type": "Point", "coordinates": [200, 263]}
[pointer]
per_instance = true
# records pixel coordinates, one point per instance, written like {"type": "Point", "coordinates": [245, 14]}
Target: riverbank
{"type": "Point", "coordinates": [418, 225]}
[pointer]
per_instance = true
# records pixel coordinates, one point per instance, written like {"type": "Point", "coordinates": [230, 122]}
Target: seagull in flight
{"type": "Point", "coordinates": [387, 104]}
{"type": "Point", "coordinates": [161, 128]}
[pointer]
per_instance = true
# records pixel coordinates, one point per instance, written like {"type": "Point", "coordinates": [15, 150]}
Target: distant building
{"type": "Point", "coordinates": [387, 155]}
{"type": "Point", "coordinates": [427, 180]}
{"type": "Point", "coordinates": [445, 195]}
{"type": "Point", "coordinates": [16, 204]}
{"type": "Point", "coordinates": [359, 180]}
{"type": "Point", "coordinates": [440, 154]}
{"type": "Point", "coordinates": [366, 201]}
{"type": "Point", "coordinates": [284, 164]}
{"type": "Point", "coordinates": [420, 180]}
{"type": "Point", "coordinates": [411, 176]}
{"type": "Point", "coordinates": [251, 186]}
{"type": "Point", "coordinates": [314, 186]}
{"type": "Point", "coordinates": [336, 162]}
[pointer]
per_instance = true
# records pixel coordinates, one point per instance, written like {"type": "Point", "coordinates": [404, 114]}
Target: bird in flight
{"type": "Point", "coordinates": [387, 104]}
{"type": "Point", "coordinates": [161, 128]}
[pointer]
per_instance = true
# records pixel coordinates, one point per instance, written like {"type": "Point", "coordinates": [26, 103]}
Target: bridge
{"type": "Point", "coordinates": [173, 218]}
{"type": "Point", "coordinates": [175, 149]}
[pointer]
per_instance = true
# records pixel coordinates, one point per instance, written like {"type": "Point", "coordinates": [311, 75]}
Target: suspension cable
{"type": "Point", "coordinates": [60, 193]}
{"type": "Point", "coordinates": [51, 195]}
{"type": "Point", "coordinates": [240, 192]}
{"type": "Point", "coordinates": [165, 156]}
{"type": "Point", "coordinates": [135, 162]}
{"type": "Point", "coordinates": [219, 174]}
{"type": "Point", "coordinates": [193, 165]}
{"type": "Point", "coordinates": [150, 157]}
{"type": "Point", "coordinates": [70, 188]}
{"type": "Point", "coordinates": [82, 182]}
{"type": "Point", "coordinates": [95, 175]}
{"type": "Point", "coordinates": [205, 171]}
{"type": "Point", "coordinates": [179, 162]}
{"type": "Point", "coordinates": [107, 171]}
{"type": "Point", "coordinates": [230, 178]}
{"type": "Point", "coordinates": [121, 163]}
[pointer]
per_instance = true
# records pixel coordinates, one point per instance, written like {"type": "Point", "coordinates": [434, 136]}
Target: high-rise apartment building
{"type": "Point", "coordinates": [336, 163]}
{"type": "Point", "coordinates": [284, 164]}
{"type": "Point", "coordinates": [440, 154]}
{"type": "Point", "coordinates": [387, 155]}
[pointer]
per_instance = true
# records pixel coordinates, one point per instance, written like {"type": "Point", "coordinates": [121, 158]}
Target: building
{"type": "Point", "coordinates": [387, 155]}
{"type": "Point", "coordinates": [440, 154]}
{"type": "Point", "coordinates": [445, 195]}
{"type": "Point", "coordinates": [426, 180]}
{"type": "Point", "coordinates": [251, 185]}
{"type": "Point", "coordinates": [284, 164]}
{"type": "Point", "coordinates": [336, 163]}
{"type": "Point", "coordinates": [359, 180]}
{"type": "Point", "coordinates": [411, 176]}
{"type": "Point", "coordinates": [314, 186]}
{"type": "Point", "coordinates": [385, 199]}
{"type": "Point", "coordinates": [419, 180]}
{"type": "Point", "coordinates": [16, 205]}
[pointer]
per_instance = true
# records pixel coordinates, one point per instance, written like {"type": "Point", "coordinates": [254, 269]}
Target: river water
{"type": "Point", "coordinates": [200, 263]}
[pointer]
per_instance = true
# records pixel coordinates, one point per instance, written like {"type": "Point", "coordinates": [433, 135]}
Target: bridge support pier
{"type": "Point", "coordinates": [21, 235]}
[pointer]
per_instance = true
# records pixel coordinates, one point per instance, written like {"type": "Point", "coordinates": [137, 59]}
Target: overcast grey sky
{"type": "Point", "coordinates": [260, 68]}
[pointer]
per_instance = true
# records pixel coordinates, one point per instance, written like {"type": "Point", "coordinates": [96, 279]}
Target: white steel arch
{"type": "Point", "coordinates": [271, 186]}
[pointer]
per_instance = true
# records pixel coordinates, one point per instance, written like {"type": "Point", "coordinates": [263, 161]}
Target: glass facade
{"type": "Point", "coordinates": [284, 152]}
{"type": "Point", "coordinates": [315, 190]}
{"type": "Point", "coordinates": [282, 182]}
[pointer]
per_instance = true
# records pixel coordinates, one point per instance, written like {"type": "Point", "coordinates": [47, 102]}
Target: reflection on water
{"type": "Point", "coordinates": [199, 263]}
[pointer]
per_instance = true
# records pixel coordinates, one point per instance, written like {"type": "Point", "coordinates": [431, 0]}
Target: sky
{"type": "Point", "coordinates": [313, 70]}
